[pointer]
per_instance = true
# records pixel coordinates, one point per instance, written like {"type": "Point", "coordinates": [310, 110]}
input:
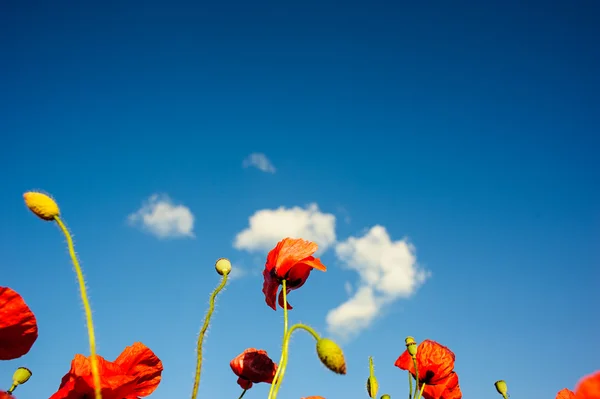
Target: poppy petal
{"type": "Point", "coordinates": [589, 387]}
{"type": "Point", "coordinates": [270, 288]}
{"type": "Point", "coordinates": [140, 362]}
{"type": "Point", "coordinates": [565, 394]}
{"type": "Point", "coordinates": [290, 251]}
{"type": "Point", "coordinates": [18, 327]}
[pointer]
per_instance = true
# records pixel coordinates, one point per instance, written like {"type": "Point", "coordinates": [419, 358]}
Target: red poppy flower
{"type": "Point", "coordinates": [587, 388]}
{"type": "Point", "coordinates": [565, 394]}
{"type": "Point", "coordinates": [290, 260]}
{"type": "Point", "coordinates": [253, 366]}
{"type": "Point", "coordinates": [436, 365]}
{"type": "Point", "coordinates": [18, 327]}
{"type": "Point", "coordinates": [135, 373]}
{"type": "Point", "coordinates": [308, 397]}
{"type": "Point", "coordinates": [5, 395]}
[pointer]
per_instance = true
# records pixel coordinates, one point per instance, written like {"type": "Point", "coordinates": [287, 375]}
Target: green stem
{"type": "Point", "coordinates": [414, 359]}
{"type": "Point", "coordinates": [243, 393]}
{"type": "Point", "coordinates": [410, 385]}
{"type": "Point", "coordinates": [86, 307]}
{"type": "Point", "coordinates": [285, 329]}
{"type": "Point", "coordinates": [421, 392]}
{"type": "Point", "coordinates": [211, 308]}
{"type": "Point", "coordinates": [286, 344]}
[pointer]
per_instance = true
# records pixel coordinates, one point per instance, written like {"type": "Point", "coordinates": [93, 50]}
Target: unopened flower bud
{"type": "Point", "coordinates": [331, 355]}
{"type": "Point", "coordinates": [223, 266]}
{"type": "Point", "coordinates": [372, 385]}
{"type": "Point", "coordinates": [42, 205]}
{"type": "Point", "coordinates": [411, 346]}
{"type": "Point", "coordinates": [502, 388]}
{"type": "Point", "coordinates": [386, 396]}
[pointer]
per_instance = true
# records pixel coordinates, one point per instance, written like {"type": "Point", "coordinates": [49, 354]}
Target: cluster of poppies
{"type": "Point", "coordinates": [137, 371]}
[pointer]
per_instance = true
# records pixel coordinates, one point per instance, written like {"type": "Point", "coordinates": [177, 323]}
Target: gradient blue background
{"type": "Point", "coordinates": [471, 127]}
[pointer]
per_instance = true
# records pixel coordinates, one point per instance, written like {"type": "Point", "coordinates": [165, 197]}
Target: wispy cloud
{"type": "Point", "coordinates": [259, 161]}
{"type": "Point", "coordinates": [387, 270]}
{"type": "Point", "coordinates": [162, 218]}
{"type": "Point", "coordinates": [269, 226]}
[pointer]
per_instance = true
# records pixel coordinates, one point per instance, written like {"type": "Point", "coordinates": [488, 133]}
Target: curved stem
{"type": "Point", "coordinates": [243, 393]}
{"type": "Point", "coordinates": [286, 343]}
{"type": "Point", "coordinates": [211, 308]}
{"type": "Point", "coordinates": [285, 329]}
{"type": "Point", "coordinates": [86, 307]}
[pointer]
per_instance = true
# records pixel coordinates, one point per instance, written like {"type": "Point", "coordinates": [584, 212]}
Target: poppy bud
{"type": "Point", "coordinates": [41, 205]}
{"type": "Point", "coordinates": [223, 266]}
{"type": "Point", "coordinates": [331, 355]}
{"type": "Point", "coordinates": [502, 388]}
{"type": "Point", "coordinates": [411, 346]}
{"type": "Point", "coordinates": [386, 396]}
{"type": "Point", "coordinates": [372, 385]}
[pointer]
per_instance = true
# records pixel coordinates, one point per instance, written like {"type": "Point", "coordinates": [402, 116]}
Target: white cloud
{"type": "Point", "coordinates": [163, 219]}
{"type": "Point", "coordinates": [268, 226]}
{"type": "Point", "coordinates": [259, 161]}
{"type": "Point", "coordinates": [387, 269]}
{"type": "Point", "coordinates": [237, 272]}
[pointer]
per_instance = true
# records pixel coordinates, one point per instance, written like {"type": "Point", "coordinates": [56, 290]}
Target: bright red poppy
{"type": "Point", "coordinates": [5, 395]}
{"type": "Point", "coordinates": [587, 388]}
{"type": "Point", "coordinates": [253, 366]}
{"type": "Point", "coordinates": [314, 397]}
{"type": "Point", "coordinates": [135, 373]}
{"type": "Point", "coordinates": [436, 365]}
{"type": "Point", "coordinates": [18, 327]}
{"type": "Point", "coordinates": [290, 260]}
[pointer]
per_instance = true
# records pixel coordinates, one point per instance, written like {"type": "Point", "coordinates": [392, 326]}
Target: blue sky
{"type": "Point", "coordinates": [466, 134]}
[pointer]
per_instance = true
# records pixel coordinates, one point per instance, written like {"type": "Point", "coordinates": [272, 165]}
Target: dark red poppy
{"type": "Point", "coordinates": [135, 373]}
{"type": "Point", "coordinates": [436, 365]}
{"type": "Point", "coordinates": [290, 260]}
{"type": "Point", "coordinates": [18, 327]}
{"type": "Point", "coordinates": [253, 366]}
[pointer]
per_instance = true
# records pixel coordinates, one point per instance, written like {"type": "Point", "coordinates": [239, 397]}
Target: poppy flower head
{"type": "Point", "coordinates": [589, 387]}
{"type": "Point", "coordinates": [253, 366]}
{"type": "Point", "coordinates": [6, 395]}
{"type": "Point", "coordinates": [291, 260]}
{"type": "Point", "coordinates": [435, 362]}
{"type": "Point", "coordinates": [565, 394]}
{"type": "Point", "coordinates": [18, 326]}
{"type": "Point", "coordinates": [135, 373]}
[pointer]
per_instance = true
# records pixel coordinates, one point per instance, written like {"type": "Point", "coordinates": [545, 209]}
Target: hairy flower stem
{"type": "Point", "coordinates": [86, 306]}
{"type": "Point", "coordinates": [285, 329]}
{"type": "Point", "coordinates": [414, 359]}
{"type": "Point", "coordinates": [243, 393]}
{"type": "Point", "coordinates": [410, 388]}
{"type": "Point", "coordinates": [286, 343]}
{"type": "Point", "coordinates": [211, 308]}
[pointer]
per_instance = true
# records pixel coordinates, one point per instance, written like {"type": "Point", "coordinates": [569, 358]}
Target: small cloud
{"type": "Point", "coordinates": [387, 270]}
{"type": "Point", "coordinates": [259, 161]}
{"type": "Point", "coordinates": [269, 226]}
{"type": "Point", "coordinates": [237, 272]}
{"type": "Point", "coordinates": [348, 288]}
{"type": "Point", "coordinates": [162, 218]}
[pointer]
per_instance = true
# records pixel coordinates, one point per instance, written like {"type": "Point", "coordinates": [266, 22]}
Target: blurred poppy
{"type": "Point", "coordinates": [436, 365]}
{"type": "Point", "coordinates": [253, 366]}
{"type": "Point", "coordinates": [589, 387]}
{"type": "Point", "coordinates": [6, 395]}
{"type": "Point", "coordinates": [18, 327]}
{"type": "Point", "coordinates": [290, 260]}
{"type": "Point", "coordinates": [565, 394]}
{"type": "Point", "coordinates": [135, 373]}
{"type": "Point", "coordinates": [308, 397]}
